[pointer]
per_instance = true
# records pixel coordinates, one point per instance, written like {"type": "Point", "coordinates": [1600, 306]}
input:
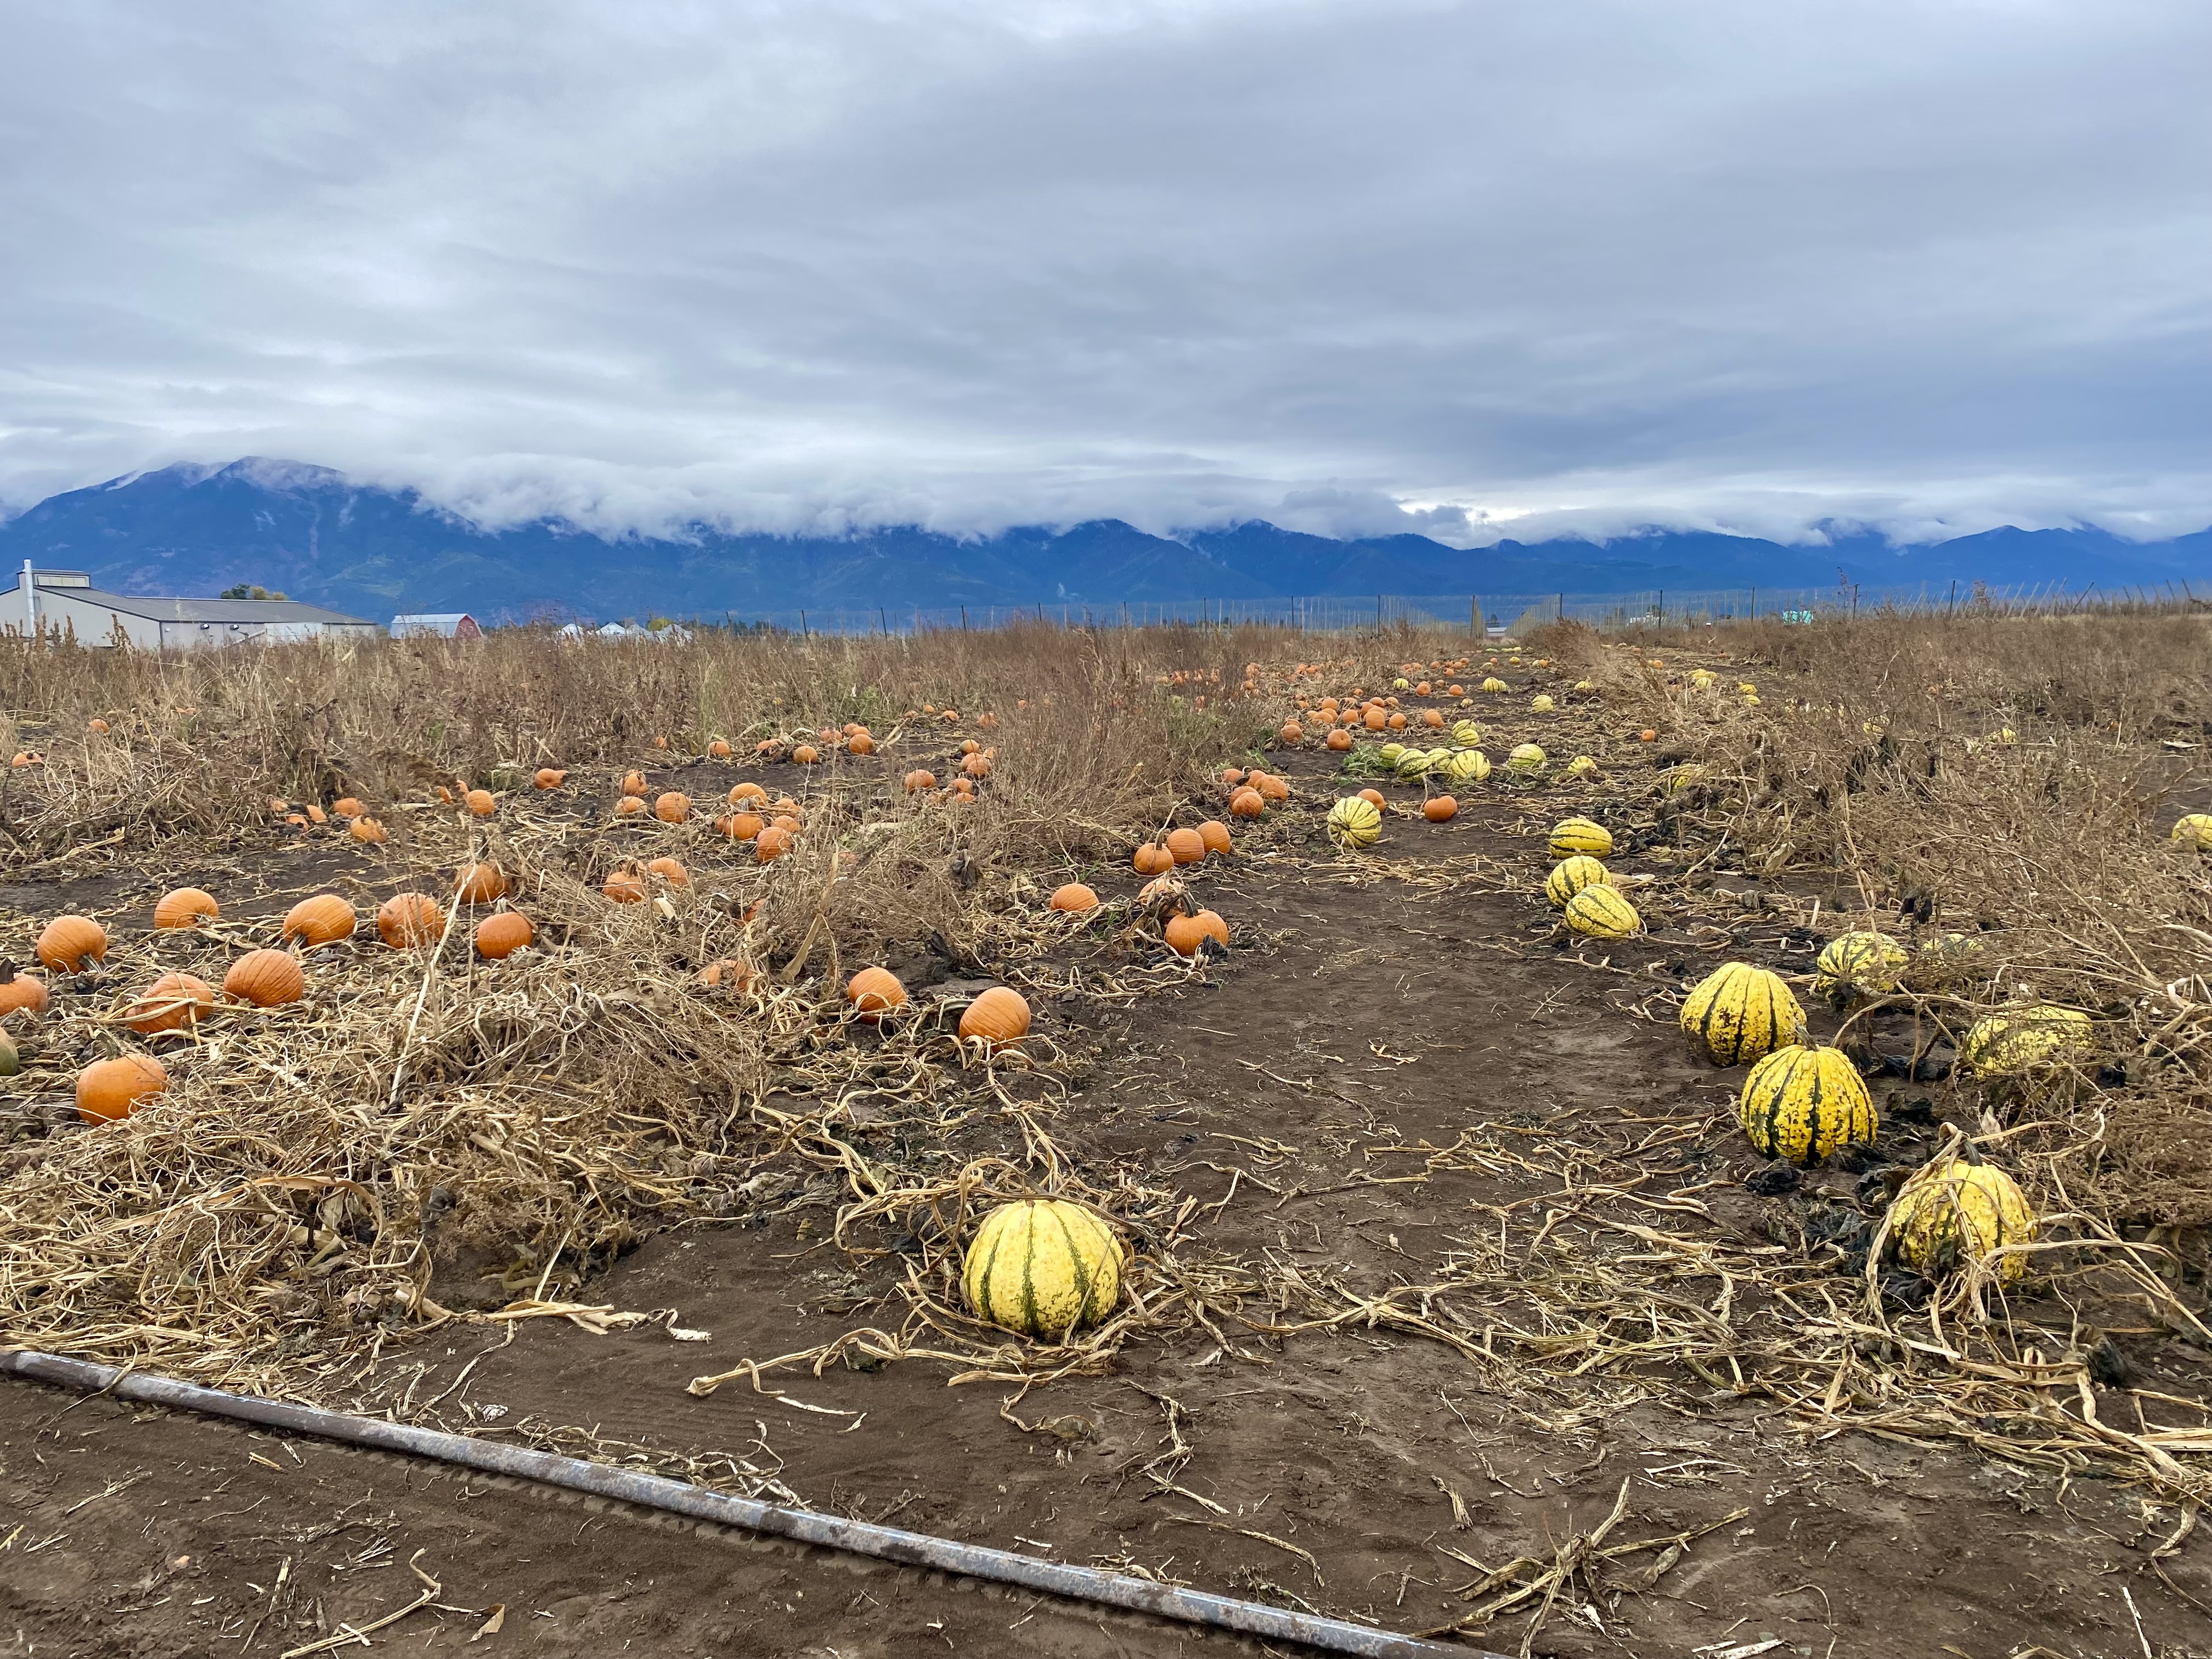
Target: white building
{"type": "Point", "coordinates": [436, 624]}
{"type": "Point", "coordinates": [65, 602]}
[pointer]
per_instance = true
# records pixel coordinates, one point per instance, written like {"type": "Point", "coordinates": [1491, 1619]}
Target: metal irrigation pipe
{"type": "Point", "coordinates": [912, 1549]}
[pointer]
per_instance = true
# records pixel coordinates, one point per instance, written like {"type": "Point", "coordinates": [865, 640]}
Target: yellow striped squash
{"type": "Point", "coordinates": [1949, 1215]}
{"type": "Point", "coordinates": [1739, 1013]}
{"type": "Point", "coordinates": [1466, 734]}
{"type": "Point", "coordinates": [1524, 757]}
{"type": "Point", "coordinates": [1678, 779]}
{"type": "Point", "coordinates": [1859, 964]}
{"type": "Point", "coordinates": [1573, 836]}
{"type": "Point", "coordinates": [1570, 876]}
{"type": "Point", "coordinates": [1493, 685]}
{"type": "Point", "coordinates": [1389, 753]}
{"type": "Point", "coordinates": [1412, 763]}
{"type": "Point", "coordinates": [1540, 704]}
{"type": "Point", "coordinates": [1353, 822]}
{"type": "Point", "coordinates": [2194, 829]}
{"type": "Point", "coordinates": [2025, 1040]}
{"type": "Point", "coordinates": [1801, 1104]}
{"type": "Point", "coordinates": [1042, 1266]}
{"type": "Point", "coordinates": [1582, 766]}
{"type": "Point", "coordinates": [1468, 766]}
{"type": "Point", "coordinates": [1599, 911]}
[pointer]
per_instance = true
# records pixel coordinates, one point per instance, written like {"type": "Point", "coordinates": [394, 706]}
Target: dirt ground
{"type": "Point", "coordinates": [1299, 1093]}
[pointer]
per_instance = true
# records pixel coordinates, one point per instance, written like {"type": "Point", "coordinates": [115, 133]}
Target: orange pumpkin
{"type": "Point", "coordinates": [977, 766]}
{"type": "Point", "coordinates": [746, 791]}
{"type": "Point", "coordinates": [266, 979]}
{"type": "Point", "coordinates": [918, 780]}
{"type": "Point", "coordinates": [1439, 809]}
{"type": "Point", "coordinates": [109, 1090]}
{"type": "Point", "coordinates": [629, 806]}
{"type": "Point", "coordinates": [186, 907]}
{"type": "Point", "coordinates": [634, 782]}
{"type": "Point", "coordinates": [807, 754]}
{"type": "Point", "coordinates": [479, 801]}
{"type": "Point", "coordinates": [741, 826]}
{"type": "Point", "coordinates": [728, 971]}
{"type": "Point", "coordinates": [69, 945]}
{"type": "Point", "coordinates": [22, 992]}
{"type": "Point", "coordinates": [1339, 740]}
{"type": "Point", "coordinates": [1374, 797]}
{"type": "Point", "coordinates": [873, 993]}
{"type": "Point", "coordinates": [503, 932]}
{"type": "Point", "coordinates": [316, 815]}
{"type": "Point", "coordinates": [406, 920]}
{"type": "Point", "coordinates": [549, 777]}
{"type": "Point", "coordinates": [1292, 733]}
{"type": "Point", "coordinates": [1432, 717]}
{"type": "Point", "coordinates": [347, 807]}
{"type": "Point", "coordinates": [1186, 845]}
{"type": "Point", "coordinates": [366, 830]}
{"type": "Point", "coordinates": [670, 871]}
{"type": "Point", "coordinates": [1074, 897]}
{"type": "Point", "coordinates": [771, 844]}
{"type": "Point", "coordinates": [480, 884]}
{"type": "Point", "coordinates": [98, 727]}
{"type": "Point", "coordinates": [718, 749]}
{"type": "Point", "coordinates": [170, 1004]}
{"type": "Point", "coordinates": [1273, 788]}
{"type": "Point", "coordinates": [859, 744]}
{"type": "Point", "coordinates": [673, 807]}
{"type": "Point", "coordinates": [1375, 718]}
{"type": "Point", "coordinates": [1000, 1017]}
{"type": "Point", "coordinates": [625, 887]}
{"type": "Point", "coordinates": [1150, 859]}
{"type": "Point", "coordinates": [1185, 934]}
{"type": "Point", "coordinates": [1231, 776]}
{"type": "Point", "coordinates": [1247, 804]}
{"type": "Point", "coordinates": [1215, 835]}
{"type": "Point", "coordinates": [322, 920]}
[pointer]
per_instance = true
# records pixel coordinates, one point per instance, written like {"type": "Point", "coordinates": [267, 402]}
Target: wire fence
{"type": "Point", "coordinates": [1486, 613]}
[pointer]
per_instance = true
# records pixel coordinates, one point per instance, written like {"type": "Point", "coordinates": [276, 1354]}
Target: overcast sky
{"type": "Point", "coordinates": [1346, 264]}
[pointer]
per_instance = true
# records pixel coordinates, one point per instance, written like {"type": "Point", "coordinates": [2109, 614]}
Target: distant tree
{"type": "Point", "coordinates": [255, 591]}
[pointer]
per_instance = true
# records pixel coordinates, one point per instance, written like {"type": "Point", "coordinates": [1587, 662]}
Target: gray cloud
{"type": "Point", "coordinates": [1350, 264]}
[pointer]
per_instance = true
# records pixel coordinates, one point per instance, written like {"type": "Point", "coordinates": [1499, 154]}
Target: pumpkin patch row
{"type": "Point", "coordinates": [268, 978]}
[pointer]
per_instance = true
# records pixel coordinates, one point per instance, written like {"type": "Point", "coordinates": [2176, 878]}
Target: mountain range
{"type": "Point", "coordinates": [316, 535]}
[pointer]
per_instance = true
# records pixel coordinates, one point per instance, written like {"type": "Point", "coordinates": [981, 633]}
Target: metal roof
{"type": "Point", "coordinates": [258, 612]}
{"type": "Point", "coordinates": [441, 620]}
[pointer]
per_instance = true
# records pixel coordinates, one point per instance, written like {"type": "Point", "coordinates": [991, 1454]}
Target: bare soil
{"type": "Point", "coordinates": [1298, 1095]}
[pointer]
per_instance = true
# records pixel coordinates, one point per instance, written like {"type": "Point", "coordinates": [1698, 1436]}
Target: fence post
{"type": "Point", "coordinates": [1378, 616]}
{"type": "Point", "coordinates": [964, 619]}
{"type": "Point", "coordinates": [803, 633]}
{"type": "Point", "coordinates": [1662, 607]}
{"type": "Point", "coordinates": [1754, 605]}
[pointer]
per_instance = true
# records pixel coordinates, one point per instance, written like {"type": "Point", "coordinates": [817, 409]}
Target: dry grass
{"type": "Point", "coordinates": [424, 1116]}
